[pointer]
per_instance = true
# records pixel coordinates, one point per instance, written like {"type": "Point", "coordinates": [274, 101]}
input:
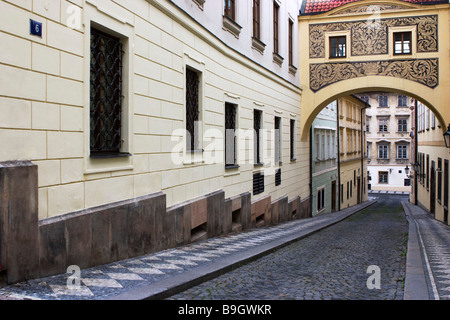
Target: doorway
{"type": "Point", "coordinates": [333, 196]}
{"type": "Point", "coordinates": [446, 191]}
{"type": "Point", "coordinates": [359, 190]}
{"type": "Point", "coordinates": [432, 189]}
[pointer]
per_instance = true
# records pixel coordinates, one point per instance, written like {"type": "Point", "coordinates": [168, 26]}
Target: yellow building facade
{"type": "Point", "coordinates": [115, 117]}
{"type": "Point", "coordinates": [373, 46]}
{"type": "Point", "coordinates": [352, 156]}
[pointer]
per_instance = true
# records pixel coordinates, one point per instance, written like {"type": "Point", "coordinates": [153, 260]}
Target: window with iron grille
{"type": "Point", "coordinates": [257, 118]}
{"type": "Point", "coordinates": [292, 140]}
{"type": "Point", "coordinates": [230, 135]}
{"type": "Point", "coordinates": [105, 94]}
{"type": "Point", "coordinates": [278, 177]}
{"type": "Point", "coordinates": [277, 140]}
{"type": "Point", "coordinates": [230, 9]}
{"type": "Point", "coordinates": [192, 110]}
{"type": "Point", "coordinates": [256, 19]}
{"type": "Point", "coordinates": [258, 183]}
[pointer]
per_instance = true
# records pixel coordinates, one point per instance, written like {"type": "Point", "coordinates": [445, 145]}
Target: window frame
{"type": "Point", "coordinates": [382, 174]}
{"type": "Point", "coordinates": [276, 27]}
{"type": "Point", "coordinates": [126, 33]}
{"type": "Point", "coordinates": [402, 41]}
{"type": "Point", "coordinates": [257, 19]}
{"type": "Point", "coordinates": [234, 123]}
{"type": "Point", "coordinates": [230, 7]}
{"type": "Point", "coordinates": [384, 152]}
{"type": "Point", "coordinates": [331, 56]}
{"type": "Point", "coordinates": [402, 152]}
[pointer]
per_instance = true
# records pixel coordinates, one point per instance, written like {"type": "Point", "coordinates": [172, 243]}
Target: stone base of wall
{"type": "Point", "coordinates": [31, 249]}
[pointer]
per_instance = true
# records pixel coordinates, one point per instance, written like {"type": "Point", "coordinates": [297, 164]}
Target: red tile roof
{"type": "Point", "coordinates": [319, 6]}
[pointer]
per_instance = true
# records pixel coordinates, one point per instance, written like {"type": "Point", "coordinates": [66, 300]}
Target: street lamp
{"type": "Point", "coordinates": [407, 170]}
{"type": "Point", "coordinates": [447, 137]}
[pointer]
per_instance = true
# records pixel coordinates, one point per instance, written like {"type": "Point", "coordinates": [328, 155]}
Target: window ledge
{"type": "Point", "coordinates": [292, 69]}
{"type": "Point", "coordinates": [278, 59]}
{"type": "Point", "coordinates": [231, 26]}
{"type": "Point", "coordinates": [109, 155]}
{"type": "Point", "coordinates": [258, 45]}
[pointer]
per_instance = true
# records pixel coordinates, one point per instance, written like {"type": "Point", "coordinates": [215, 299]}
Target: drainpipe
{"type": "Point", "coordinates": [310, 172]}
{"type": "Point", "coordinates": [362, 151]}
{"type": "Point", "coordinates": [416, 145]}
{"type": "Point", "coordinates": [338, 135]}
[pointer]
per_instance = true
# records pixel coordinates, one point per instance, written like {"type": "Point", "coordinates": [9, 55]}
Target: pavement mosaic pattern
{"type": "Point", "coordinates": [110, 280]}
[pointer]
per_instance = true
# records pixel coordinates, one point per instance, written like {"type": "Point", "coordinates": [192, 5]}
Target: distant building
{"type": "Point", "coordinates": [324, 171]}
{"type": "Point", "coordinates": [388, 127]}
{"type": "Point", "coordinates": [352, 158]}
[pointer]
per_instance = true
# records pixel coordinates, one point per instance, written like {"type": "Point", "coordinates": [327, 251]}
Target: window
{"type": "Point", "coordinates": [291, 42]}
{"type": "Point", "coordinates": [338, 47]}
{"type": "Point", "coordinates": [105, 94]}
{"type": "Point", "coordinates": [230, 135]}
{"type": "Point", "coordinates": [292, 139]}
{"type": "Point", "coordinates": [402, 125]}
{"type": "Point", "coordinates": [256, 19]}
{"type": "Point", "coordinates": [277, 140]}
{"type": "Point", "coordinates": [383, 151]}
{"type": "Point", "coordinates": [428, 172]}
{"type": "Point", "coordinates": [276, 9]}
{"type": "Point", "coordinates": [383, 125]}
{"type": "Point", "coordinates": [402, 43]}
{"type": "Point", "coordinates": [257, 115]}
{"type": "Point", "coordinates": [427, 119]}
{"type": "Point", "coordinates": [258, 183]}
{"type": "Point", "coordinates": [439, 180]}
{"type": "Point", "coordinates": [278, 177]}
{"type": "Point", "coordinates": [383, 177]}
{"type": "Point", "coordinates": [230, 9]}
{"type": "Point", "coordinates": [402, 101]}
{"type": "Point", "coordinates": [192, 110]}
{"type": "Point", "coordinates": [383, 101]}
{"type": "Point", "coordinates": [407, 182]}
{"type": "Point", "coordinates": [402, 152]}
{"type": "Point", "coordinates": [348, 190]}
{"type": "Point", "coordinates": [320, 199]}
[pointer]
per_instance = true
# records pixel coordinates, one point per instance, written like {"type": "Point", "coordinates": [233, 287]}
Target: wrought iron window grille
{"type": "Point", "coordinates": [192, 110]}
{"type": "Point", "coordinates": [258, 183]}
{"type": "Point", "coordinates": [230, 136]}
{"type": "Point", "coordinates": [105, 95]}
{"type": "Point", "coordinates": [257, 115]}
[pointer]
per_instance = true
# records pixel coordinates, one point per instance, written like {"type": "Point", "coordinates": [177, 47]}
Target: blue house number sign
{"type": "Point", "coordinates": [35, 28]}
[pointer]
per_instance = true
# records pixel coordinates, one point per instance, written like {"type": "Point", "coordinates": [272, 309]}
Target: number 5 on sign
{"type": "Point", "coordinates": [374, 281]}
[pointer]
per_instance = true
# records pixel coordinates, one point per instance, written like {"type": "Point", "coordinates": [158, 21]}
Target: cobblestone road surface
{"type": "Point", "coordinates": [330, 264]}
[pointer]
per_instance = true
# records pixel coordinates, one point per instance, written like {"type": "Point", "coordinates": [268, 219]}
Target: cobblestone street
{"type": "Point", "coordinates": [330, 264]}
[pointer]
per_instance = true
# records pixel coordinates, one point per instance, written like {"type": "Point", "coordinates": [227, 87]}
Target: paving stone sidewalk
{"type": "Point", "coordinates": [162, 274]}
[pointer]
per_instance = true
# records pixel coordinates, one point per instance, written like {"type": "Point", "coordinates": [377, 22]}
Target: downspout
{"type": "Point", "coordinates": [362, 151]}
{"type": "Point", "coordinates": [416, 144]}
{"type": "Point", "coordinates": [338, 135]}
{"type": "Point", "coordinates": [310, 172]}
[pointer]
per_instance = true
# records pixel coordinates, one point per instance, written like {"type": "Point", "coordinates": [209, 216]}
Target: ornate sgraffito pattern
{"type": "Point", "coordinates": [370, 9]}
{"type": "Point", "coordinates": [370, 39]}
{"type": "Point", "coordinates": [424, 71]}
